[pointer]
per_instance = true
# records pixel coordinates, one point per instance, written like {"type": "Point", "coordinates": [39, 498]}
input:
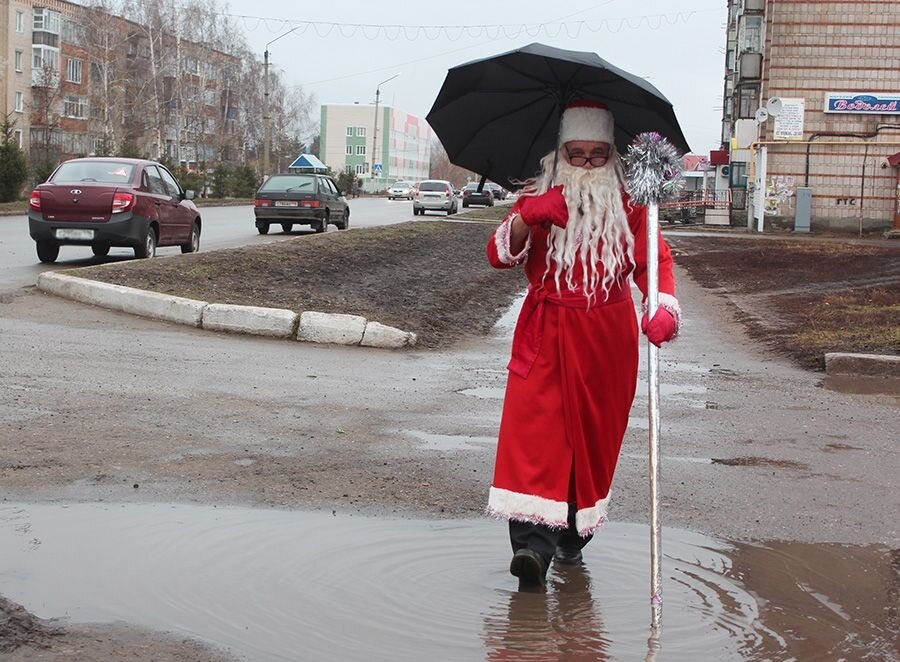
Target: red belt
{"type": "Point", "coordinates": [529, 331]}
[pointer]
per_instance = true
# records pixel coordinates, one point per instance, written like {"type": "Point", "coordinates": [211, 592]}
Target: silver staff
{"type": "Point", "coordinates": [654, 169]}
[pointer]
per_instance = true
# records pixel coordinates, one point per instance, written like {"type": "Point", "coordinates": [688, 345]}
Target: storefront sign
{"type": "Point", "coordinates": [878, 103]}
{"type": "Point", "coordinates": [789, 120]}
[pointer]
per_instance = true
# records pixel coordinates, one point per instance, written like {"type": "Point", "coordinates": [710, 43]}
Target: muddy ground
{"type": "Point", "coordinates": [431, 278]}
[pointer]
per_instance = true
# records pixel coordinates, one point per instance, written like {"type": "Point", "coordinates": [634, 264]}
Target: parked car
{"type": "Point", "coordinates": [499, 192]}
{"type": "Point", "coordinates": [472, 196]}
{"type": "Point", "coordinates": [400, 190]}
{"type": "Point", "coordinates": [435, 195]}
{"type": "Point", "coordinates": [291, 199]}
{"type": "Point", "coordinates": [104, 202]}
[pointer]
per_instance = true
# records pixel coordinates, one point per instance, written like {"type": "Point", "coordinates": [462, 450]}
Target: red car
{"type": "Point", "coordinates": [103, 202]}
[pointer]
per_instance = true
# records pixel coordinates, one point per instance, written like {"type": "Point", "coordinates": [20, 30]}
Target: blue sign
{"type": "Point", "coordinates": [377, 169]}
{"type": "Point", "coordinates": [871, 103]}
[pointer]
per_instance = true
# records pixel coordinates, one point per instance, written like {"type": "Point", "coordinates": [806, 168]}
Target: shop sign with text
{"type": "Point", "coordinates": [852, 103]}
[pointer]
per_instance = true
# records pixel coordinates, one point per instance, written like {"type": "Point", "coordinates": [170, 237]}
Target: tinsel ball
{"type": "Point", "coordinates": [653, 169]}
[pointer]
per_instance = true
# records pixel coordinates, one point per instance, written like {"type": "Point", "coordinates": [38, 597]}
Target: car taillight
{"type": "Point", "coordinates": [310, 203]}
{"type": "Point", "coordinates": [122, 201]}
{"type": "Point", "coordinates": [35, 200]}
{"type": "Point", "coordinates": [446, 194]}
{"type": "Point", "coordinates": [262, 203]}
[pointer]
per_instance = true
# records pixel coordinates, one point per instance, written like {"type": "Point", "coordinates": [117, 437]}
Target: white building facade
{"type": "Point", "coordinates": [394, 146]}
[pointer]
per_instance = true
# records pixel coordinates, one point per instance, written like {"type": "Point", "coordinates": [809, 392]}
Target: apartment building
{"type": "Point", "coordinates": [812, 105]}
{"type": "Point", "coordinates": [79, 81]}
{"type": "Point", "coordinates": [400, 150]}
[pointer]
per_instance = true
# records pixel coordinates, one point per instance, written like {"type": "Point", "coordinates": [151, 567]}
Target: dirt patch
{"type": "Point", "coordinates": [759, 462]}
{"type": "Point", "coordinates": [432, 278]}
{"type": "Point", "coordinates": [803, 298]}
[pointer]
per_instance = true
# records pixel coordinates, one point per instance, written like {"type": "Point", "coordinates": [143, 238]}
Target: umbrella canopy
{"type": "Point", "coordinates": [500, 115]}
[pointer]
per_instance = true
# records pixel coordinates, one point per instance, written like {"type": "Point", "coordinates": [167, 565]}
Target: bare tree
{"type": "Point", "coordinates": [442, 168]}
{"type": "Point", "coordinates": [105, 42]}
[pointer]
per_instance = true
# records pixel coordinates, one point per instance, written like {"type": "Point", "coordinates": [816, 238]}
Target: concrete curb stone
{"type": "Point", "coordinates": [333, 328]}
{"type": "Point", "coordinates": [311, 326]}
{"type": "Point", "coordinates": [381, 335]}
{"type": "Point", "coordinates": [253, 320]}
{"type": "Point", "coordinates": [873, 365]}
{"type": "Point", "coordinates": [125, 299]}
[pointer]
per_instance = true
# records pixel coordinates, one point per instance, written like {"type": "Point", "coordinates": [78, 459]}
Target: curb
{"type": "Point", "coordinates": [869, 365]}
{"type": "Point", "coordinates": [310, 326]}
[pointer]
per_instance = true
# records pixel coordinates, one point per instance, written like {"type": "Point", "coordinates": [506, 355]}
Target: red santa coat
{"type": "Point", "coordinates": [572, 380]}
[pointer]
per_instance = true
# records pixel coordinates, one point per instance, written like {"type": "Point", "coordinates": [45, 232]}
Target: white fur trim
{"type": "Point", "coordinates": [501, 242]}
{"type": "Point", "coordinates": [584, 123]}
{"type": "Point", "coordinates": [588, 520]}
{"type": "Point", "coordinates": [527, 508]}
{"type": "Point", "coordinates": [670, 303]}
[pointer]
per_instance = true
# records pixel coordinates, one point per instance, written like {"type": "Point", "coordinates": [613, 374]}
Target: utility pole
{"type": "Point", "coordinates": [266, 136]}
{"type": "Point", "coordinates": [375, 129]}
{"type": "Point", "coordinates": [267, 129]}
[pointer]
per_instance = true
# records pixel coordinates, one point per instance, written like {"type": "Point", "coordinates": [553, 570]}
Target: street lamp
{"type": "Point", "coordinates": [375, 131]}
{"type": "Point", "coordinates": [266, 130]}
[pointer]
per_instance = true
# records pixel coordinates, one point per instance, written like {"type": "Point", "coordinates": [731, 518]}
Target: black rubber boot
{"type": "Point", "coordinates": [529, 567]}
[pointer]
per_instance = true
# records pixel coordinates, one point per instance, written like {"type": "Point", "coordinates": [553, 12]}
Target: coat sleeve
{"type": "Point", "coordinates": [498, 250]}
{"type": "Point", "coordinates": [637, 220]}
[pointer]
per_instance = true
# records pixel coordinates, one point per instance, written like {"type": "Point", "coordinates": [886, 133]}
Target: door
{"type": "Point", "coordinates": [181, 217]}
{"type": "Point", "coordinates": [158, 196]}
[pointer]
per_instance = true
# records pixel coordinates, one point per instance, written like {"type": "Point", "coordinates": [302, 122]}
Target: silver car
{"type": "Point", "coordinates": [399, 190]}
{"type": "Point", "coordinates": [435, 195]}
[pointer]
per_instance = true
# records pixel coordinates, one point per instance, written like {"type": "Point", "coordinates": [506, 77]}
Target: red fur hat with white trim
{"type": "Point", "coordinates": [587, 120]}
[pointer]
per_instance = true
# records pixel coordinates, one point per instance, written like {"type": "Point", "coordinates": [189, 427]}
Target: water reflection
{"type": "Point", "coordinates": [561, 622]}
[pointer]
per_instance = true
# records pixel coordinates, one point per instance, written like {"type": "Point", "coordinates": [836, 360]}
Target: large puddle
{"type": "Point", "coordinates": [282, 585]}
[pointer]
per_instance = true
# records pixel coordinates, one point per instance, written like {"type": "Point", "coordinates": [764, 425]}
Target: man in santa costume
{"type": "Point", "coordinates": [573, 371]}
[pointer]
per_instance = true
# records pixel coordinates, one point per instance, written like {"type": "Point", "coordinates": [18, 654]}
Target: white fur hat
{"type": "Point", "coordinates": [587, 120]}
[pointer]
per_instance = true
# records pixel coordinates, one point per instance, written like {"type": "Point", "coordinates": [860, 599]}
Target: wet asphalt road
{"type": "Point", "coordinates": [223, 227]}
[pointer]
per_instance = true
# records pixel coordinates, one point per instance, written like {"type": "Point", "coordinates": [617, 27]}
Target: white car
{"type": "Point", "coordinates": [400, 190]}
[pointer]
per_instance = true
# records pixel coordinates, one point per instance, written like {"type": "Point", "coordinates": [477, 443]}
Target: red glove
{"type": "Point", "coordinates": [661, 328]}
{"type": "Point", "coordinates": [549, 206]}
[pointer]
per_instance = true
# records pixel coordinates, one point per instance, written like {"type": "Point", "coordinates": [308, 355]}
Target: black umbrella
{"type": "Point", "coordinates": [498, 116]}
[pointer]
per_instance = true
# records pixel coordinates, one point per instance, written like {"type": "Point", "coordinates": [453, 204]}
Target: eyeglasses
{"type": "Point", "coordinates": [596, 161]}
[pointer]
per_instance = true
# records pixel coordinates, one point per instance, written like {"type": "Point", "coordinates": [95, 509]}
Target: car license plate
{"type": "Point", "coordinates": [77, 235]}
{"type": "Point", "coordinates": [285, 203]}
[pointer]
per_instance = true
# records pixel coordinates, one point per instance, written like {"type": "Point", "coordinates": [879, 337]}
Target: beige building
{"type": "Point", "coordinates": [15, 65]}
{"type": "Point", "coordinates": [400, 150]}
{"type": "Point", "coordinates": [812, 101]}
{"type": "Point", "coordinates": [79, 81]}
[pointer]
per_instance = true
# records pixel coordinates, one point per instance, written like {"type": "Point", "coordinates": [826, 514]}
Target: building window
{"type": "Point", "coordinates": [748, 102]}
{"type": "Point", "coordinates": [738, 175]}
{"type": "Point", "coordinates": [360, 132]}
{"type": "Point", "coordinates": [362, 168]}
{"type": "Point", "coordinates": [348, 169]}
{"type": "Point", "coordinates": [349, 131]}
{"type": "Point", "coordinates": [19, 61]}
{"type": "Point", "coordinates": [20, 102]}
{"type": "Point", "coordinates": [44, 66]}
{"type": "Point", "coordinates": [751, 37]}
{"type": "Point", "coordinates": [46, 20]}
{"type": "Point", "coordinates": [349, 150]}
{"type": "Point", "coordinates": [191, 65]}
{"type": "Point", "coordinates": [360, 150]}
{"type": "Point", "coordinates": [75, 107]}
{"type": "Point", "coordinates": [20, 22]}
{"type": "Point", "coordinates": [73, 71]}
{"type": "Point", "coordinates": [17, 137]}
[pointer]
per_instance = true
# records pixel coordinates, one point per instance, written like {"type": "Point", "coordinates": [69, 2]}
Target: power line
{"type": "Point", "coordinates": [396, 31]}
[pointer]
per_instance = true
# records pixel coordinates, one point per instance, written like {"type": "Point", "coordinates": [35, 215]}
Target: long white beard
{"type": "Point", "coordinates": [597, 233]}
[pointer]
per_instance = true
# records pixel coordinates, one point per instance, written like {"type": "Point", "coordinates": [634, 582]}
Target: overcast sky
{"type": "Point", "coordinates": [677, 46]}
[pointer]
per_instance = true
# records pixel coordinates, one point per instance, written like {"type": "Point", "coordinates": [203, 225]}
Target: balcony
{"type": "Point", "coordinates": [750, 66]}
{"type": "Point", "coordinates": [754, 6]}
